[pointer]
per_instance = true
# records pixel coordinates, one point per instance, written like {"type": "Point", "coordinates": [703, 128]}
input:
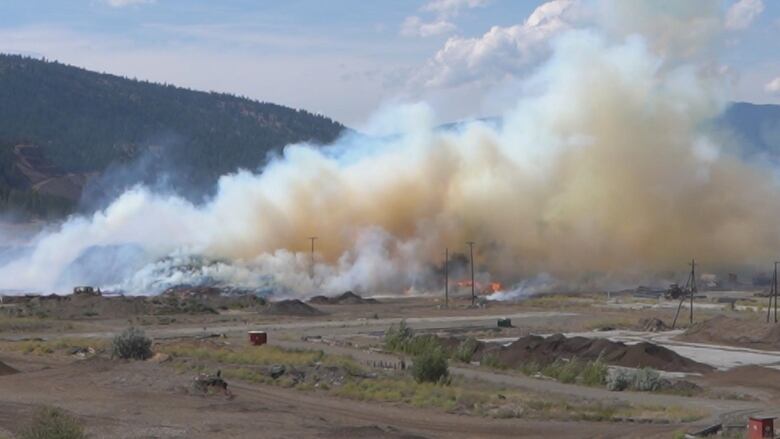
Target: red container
{"type": "Point", "coordinates": [761, 427]}
{"type": "Point", "coordinates": [258, 338]}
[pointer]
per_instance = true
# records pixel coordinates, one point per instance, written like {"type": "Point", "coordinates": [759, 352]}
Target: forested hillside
{"type": "Point", "coordinates": [79, 122]}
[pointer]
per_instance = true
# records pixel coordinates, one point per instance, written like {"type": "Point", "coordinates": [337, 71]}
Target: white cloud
{"type": "Point", "coordinates": [414, 27]}
{"type": "Point", "coordinates": [123, 3]}
{"type": "Point", "coordinates": [773, 86]}
{"type": "Point", "coordinates": [444, 10]}
{"type": "Point", "coordinates": [742, 13]}
{"type": "Point", "coordinates": [499, 52]}
{"type": "Point", "coordinates": [450, 8]}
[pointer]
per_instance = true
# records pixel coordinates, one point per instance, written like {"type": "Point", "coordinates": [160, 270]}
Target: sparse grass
{"type": "Point", "coordinates": [465, 350]}
{"type": "Point", "coordinates": [53, 423]}
{"type": "Point", "coordinates": [257, 355]}
{"type": "Point", "coordinates": [617, 323]}
{"type": "Point", "coordinates": [58, 345]}
{"type": "Point", "coordinates": [461, 396]}
{"type": "Point", "coordinates": [24, 324]}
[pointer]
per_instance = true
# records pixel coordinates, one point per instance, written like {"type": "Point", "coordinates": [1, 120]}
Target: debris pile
{"type": "Point", "coordinates": [347, 298]}
{"type": "Point", "coordinates": [292, 307]}
{"type": "Point", "coordinates": [545, 350]}
{"type": "Point", "coordinates": [652, 324]}
{"type": "Point", "coordinates": [6, 369]}
{"type": "Point", "coordinates": [726, 330]}
{"type": "Point", "coordinates": [206, 383]}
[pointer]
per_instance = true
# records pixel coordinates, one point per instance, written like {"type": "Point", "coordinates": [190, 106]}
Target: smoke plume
{"type": "Point", "coordinates": [601, 171]}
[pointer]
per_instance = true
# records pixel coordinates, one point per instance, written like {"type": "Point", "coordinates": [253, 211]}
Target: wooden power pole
{"type": "Point", "coordinates": [693, 285]}
{"type": "Point", "coordinates": [471, 261]}
{"type": "Point", "coordinates": [690, 287]}
{"type": "Point", "coordinates": [311, 264]}
{"type": "Point", "coordinates": [772, 295]}
{"type": "Point", "coordinates": [446, 277]}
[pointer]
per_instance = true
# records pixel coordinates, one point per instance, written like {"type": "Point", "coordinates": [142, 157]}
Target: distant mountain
{"type": "Point", "coordinates": [62, 126]}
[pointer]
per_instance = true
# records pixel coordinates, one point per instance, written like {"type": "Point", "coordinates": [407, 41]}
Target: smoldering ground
{"type": "Point", "coordinates": [602, 169]}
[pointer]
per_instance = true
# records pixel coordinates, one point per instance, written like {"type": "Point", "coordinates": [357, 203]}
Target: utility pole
{"type": "Point", "coordinates": [446, 277]}
{"type": "Point", "coordinates": [690, 286]}
{"type": "Point", "coordinates": [471, 261]}
{"type": "Point", "coordinates": [772, 295]}
{"type": "Point", "coordinates": [693, 285]}
{"type": "Point", "coordinates": [311, 266]}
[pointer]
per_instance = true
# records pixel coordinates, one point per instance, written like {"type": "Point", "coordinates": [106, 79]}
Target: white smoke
{"type": "Point", "coordinates": [601, 170]}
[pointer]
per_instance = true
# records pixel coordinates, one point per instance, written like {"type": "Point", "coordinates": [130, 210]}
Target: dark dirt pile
{"type": "Point", "coordinates": [347, 298]}
{"type": "Point", "coordinates": [292, 307]}
{"type": "Point", "coordinates": [6, 369]}
{"type": "Point", "coordinates": [545, 350]}
{"type": "Point", "coordinates": [652, 324]}
{"type": "Point", "coordinates": [736, 332]}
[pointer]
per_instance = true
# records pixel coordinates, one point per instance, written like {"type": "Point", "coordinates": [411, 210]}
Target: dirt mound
{"type": "Point", "coordinates": [733, 331]}
{"type": "Point", "coordinates": [545, 350]}
{"type": "Point", "coordinates": [6, 369]}
{"type": "Point", "coordinates": [371, 431]}
{"type": "Point", "coordinates": [652, 324]}
{"type": "Point", "coordinates": [347, 298]}
{"type": "Point", "coordinates": [292, 307]}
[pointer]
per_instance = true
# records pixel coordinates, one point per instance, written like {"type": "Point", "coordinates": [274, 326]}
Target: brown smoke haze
{"type": "Point", "coordinates": [603, 171]}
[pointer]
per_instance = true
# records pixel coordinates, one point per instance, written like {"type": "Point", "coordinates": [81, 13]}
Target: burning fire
{"type": "Point", "coordinates": [489, 288]}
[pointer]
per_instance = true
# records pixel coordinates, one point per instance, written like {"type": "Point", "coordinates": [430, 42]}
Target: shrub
{"type": "Point", "coordinates": [53, 423]}
{"type": "Point", "coordinates": [420, 344]}
{"type": "Point", "coordinates": [430, 366]}
{"type": "Point", "coordinates": [594, 373]}
{"type": "Point", "coordinates": [646, 380]}
{"type": "Point", "coordinates": [131, 344]}
{"type": "Point", "coordinates": [491, 360]}
{"type": "Point", "coordinates": [397, 339]}
{"type": "Point", "coordinates": [466, 349]}
{"type": "Point", "coordinates": [618, 379]}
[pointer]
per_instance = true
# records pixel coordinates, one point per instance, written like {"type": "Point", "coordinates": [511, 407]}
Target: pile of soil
{"type": "Point", "coordinates": [652, 324]}
{"type": "Point", "coordinates": [348, 298]}
{"type": "Point", "coordinates": [292, 307]}
{"type": "Point", "coordinates": [545, 350]}
{"type": "Point", "coordinates": [736, 332]}
{"type": "Point", "coordinates": [6, 369]}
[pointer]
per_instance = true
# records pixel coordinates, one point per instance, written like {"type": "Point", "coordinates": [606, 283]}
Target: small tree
{"type": "Point", "coordinates": [431, 366]}
{"type": "Point", "coordinates": [397, 339]}
{"type": "Point", "coordinates": [466, 349]}
{"type": "Point", "coordinates": [132, 344]}
{"type": "Point", "coordinates": [53, 423]}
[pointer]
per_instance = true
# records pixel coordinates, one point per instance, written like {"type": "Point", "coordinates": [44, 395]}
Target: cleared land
{"type": "Point", "coordinates": [340, 379]}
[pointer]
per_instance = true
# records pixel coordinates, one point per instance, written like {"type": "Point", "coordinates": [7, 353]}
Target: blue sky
{"type": "Point", "coordinates": [346, 58]}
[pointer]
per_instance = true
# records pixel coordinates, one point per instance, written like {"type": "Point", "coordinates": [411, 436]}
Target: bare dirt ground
{"type": "Point", "coordinates": [141, 399]}
{"type": "Point", "coordinates": [120, 399]}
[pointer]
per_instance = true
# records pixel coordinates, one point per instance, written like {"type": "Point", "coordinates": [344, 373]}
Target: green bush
{"type": "Point", "coordinates": [397, 339]}
{"type": "Point", "coordinates": [53, 423]}
{"type": "Point", "coordinates": [618, 379]}
{"type": "Point", "coordinates": [643, 380]}
{"type": "Point", "coordinates": [131, 344]}
{"type": "Point", "coordinates": [594, 373]}
{"type": "Point", "coordinates": [646, 380]}
{"type": "Point", "coordinates": [466, 349]}
{"type": "Point", "coordinates": [431, 366]}
{"type": "Point", "coordinates": [491, 360]}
